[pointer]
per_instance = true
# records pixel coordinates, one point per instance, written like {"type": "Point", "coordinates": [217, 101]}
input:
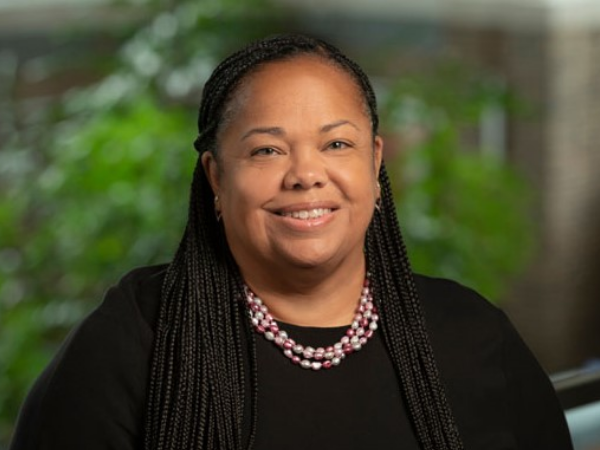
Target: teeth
{"type": "Point", "coordinates": [308, 214]}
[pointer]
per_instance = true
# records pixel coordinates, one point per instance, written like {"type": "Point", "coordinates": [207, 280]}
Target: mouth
{"type": "Point", "coordinates": [306, 214]}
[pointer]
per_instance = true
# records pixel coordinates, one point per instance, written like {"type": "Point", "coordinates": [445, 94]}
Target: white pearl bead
{"type": "Point", "coordinates": [373, 326]}
{"type": "Point", "coordinates": [259, 315]}
{"type": "Point", "coordinates": [315, 365]}
{"type": "Point", "coordinates": [298, 348]}
{"type": "Point", "coordinates": [269, 335]}
{"type": "Point", "coordinates": [308, 354]}
{"type": "Point", "coordinates": [305, 364]}
{"type": "Point", "coordinates": [336, 361]}
{"type": "Point", "coordinates": [283, 335]}
{"type": "Point", "coordinates": [288, 353]}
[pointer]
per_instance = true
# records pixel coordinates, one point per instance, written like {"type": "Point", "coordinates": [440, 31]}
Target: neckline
{"type": "Point", "coordinates": [288, 327]}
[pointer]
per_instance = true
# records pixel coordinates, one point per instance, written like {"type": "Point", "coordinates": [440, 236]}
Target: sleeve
{"type": "Point", "coordinates": [538, 419]}
{"type": "Point", "coordinates": [92, 395]}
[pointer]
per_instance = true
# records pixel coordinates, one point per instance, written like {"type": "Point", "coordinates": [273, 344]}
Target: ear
{"type": "Point", "coordinates": [211, 169]}
{"type": "Point", "coordinates": [377, 155]}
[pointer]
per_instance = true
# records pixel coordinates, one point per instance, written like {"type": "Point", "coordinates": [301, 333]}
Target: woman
{"type": "Point", "coordinates": [290, 317]}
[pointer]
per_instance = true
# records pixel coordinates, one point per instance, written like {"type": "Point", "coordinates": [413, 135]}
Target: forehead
{"type": "Point", "coordinates": [303, 79]}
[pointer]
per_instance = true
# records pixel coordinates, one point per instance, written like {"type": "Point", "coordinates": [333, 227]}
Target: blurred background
{"type": "Point", "coordinates": [490, 110]}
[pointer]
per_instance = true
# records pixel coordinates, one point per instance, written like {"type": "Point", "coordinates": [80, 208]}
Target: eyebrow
{"type": "Point", "coordinates": [339, 123]}
{"type": "Point", "coordinates": [274, 131]}
{"type": "Point", "coordinates": [278, 131]}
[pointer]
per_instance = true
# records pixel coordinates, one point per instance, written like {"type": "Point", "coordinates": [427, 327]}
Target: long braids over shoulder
{"type": "Point", "coordinates": [197, 388]}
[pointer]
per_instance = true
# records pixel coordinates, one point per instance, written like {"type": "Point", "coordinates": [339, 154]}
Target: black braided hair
{"type": "Point", "coordinates": [197, 381]}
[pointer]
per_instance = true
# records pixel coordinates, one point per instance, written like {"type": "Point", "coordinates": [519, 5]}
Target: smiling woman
{"type": "Point", "coordinates": [289, 316]}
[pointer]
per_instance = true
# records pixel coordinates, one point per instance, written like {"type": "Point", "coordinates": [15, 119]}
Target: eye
{"type": "Point", "coordinates": [264, 151]}
{"type": "Point", "coordinates": [338, 145]}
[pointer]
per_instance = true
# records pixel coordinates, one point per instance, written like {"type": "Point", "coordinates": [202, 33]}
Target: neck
{"type": "Point", "coordinates": [319, 297]}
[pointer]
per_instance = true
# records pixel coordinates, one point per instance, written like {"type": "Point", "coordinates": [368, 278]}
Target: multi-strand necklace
{"type": "Point", "coordinates": [357, 335]}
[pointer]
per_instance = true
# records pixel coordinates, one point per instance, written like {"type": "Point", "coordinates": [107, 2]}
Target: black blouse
{"type": "Point", "coordinates": [93, 394]}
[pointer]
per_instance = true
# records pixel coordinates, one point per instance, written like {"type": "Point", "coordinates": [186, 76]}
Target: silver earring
{"type": "Point", "coordinates": [217, 209]}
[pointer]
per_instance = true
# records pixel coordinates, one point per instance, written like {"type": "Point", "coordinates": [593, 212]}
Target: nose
{"type": "Point", "coordinates": [306, 170]}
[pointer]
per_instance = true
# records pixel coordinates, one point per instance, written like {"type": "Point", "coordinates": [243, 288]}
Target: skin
{"type": "Point", "coordinates": [298, 137]}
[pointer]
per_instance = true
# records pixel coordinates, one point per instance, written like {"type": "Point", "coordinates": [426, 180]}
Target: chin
{"type": "Point", "coordinates": [309, 259]}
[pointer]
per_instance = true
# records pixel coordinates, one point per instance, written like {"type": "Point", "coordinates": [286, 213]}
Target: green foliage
{"type": "Point", "coordinates": [464, 210]}
{"type": "Point", "coordinates": [113, 196]}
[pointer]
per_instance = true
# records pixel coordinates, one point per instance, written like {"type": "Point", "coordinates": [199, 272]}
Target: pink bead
{"type": "Point", "coordinates": [260, 329]}
{"type": "Point", "coordinates": [326, 365]}
{"type": "Point", "coordinates": [288, 344]}
{"type": "Point", "coordinates": [349, 332]}
{"type": "Point", "coordinates": [368, 333]}
{"type": "Point", "coordinates": [363, 340]}
{"type": "Point", "coordinates": [274, 328]}
{"type": "Point", "coordinates": [364, 323]}
{"type": "Point", "coordinates": [348, 349]}
{"type": "Point", "coordinates": [269, 317]}
{"type": "Point", "coordinates": [318, 356]}
{"type": "Point", "coordinates": [338, 352]}
{"type": "Point", "coordinates": [296, 359]}
{"type": "Point", "coordinates": [329, 349]}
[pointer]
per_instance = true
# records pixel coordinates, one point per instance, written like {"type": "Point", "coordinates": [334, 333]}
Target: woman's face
{"type": "Point", "coordinates": [296, 175]}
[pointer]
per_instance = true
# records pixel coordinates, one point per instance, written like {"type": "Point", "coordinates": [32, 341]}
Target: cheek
{"type": "Point", "coordinates": [359, 184]}
{"type": "Point", "coordinates": [245, 190]}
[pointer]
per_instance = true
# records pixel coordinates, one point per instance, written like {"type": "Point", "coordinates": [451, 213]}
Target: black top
{"type": "Point", "coordinates": [93, 394]}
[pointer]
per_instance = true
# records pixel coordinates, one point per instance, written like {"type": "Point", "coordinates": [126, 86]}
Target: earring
{"type": "Point", "coordinates": [378, 201]}
{"type": "Point", "coordinates": [217, 209]}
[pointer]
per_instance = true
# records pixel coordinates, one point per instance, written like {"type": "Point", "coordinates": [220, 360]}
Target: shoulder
{"type": "Point", "coordinates": [448, 302]}
{"type": "Point", "coordinates": [96, 384]}
{"type": "Point", "coordinates": [498, 391]}
{"type": "Point", "coordinates": [138, 294]}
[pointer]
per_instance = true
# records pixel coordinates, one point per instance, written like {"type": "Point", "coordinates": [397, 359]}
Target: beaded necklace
{"type": "Point", "coordinates": [357, 335]}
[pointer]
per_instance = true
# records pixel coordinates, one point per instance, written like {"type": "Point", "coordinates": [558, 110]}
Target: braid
{"type": "Point", "coordinates": [197, 382]}
{"type": "Point", "coordinates": [404, 328]}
